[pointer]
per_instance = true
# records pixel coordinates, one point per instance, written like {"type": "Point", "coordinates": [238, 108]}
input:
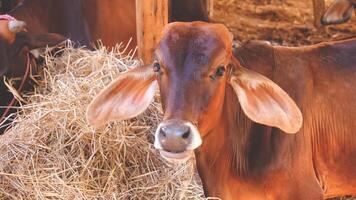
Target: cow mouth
{"type": "Point", "coordinates": [181, 157]}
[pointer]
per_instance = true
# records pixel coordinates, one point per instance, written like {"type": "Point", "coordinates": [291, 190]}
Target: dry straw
{"type": "Point", "coordinates": [52, 153]}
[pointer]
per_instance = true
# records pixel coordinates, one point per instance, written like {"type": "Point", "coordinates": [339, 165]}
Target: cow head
{"type": "Point", "coordinates": [338, 12]}
{"type": "Point", "coordinates": [193, 66]}
{"type": "Point", "coordinates": [16, 43]}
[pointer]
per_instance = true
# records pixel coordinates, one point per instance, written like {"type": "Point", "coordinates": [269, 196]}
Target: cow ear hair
{"type": "Point", "coordinates": [263, 101]}
{"type": "Point", "coordinates": [126, 97]}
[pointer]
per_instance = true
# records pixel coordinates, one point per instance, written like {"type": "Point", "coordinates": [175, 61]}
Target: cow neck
{"type": "Point", "coordinates": [237, 145]}
{"type": "Point", "coordinates": [248, 143]}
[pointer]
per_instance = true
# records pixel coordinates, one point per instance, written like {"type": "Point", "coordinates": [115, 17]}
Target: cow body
{"type": "Point", "coordinates": [243, 117]}
{"type": "Point", "coordinates": [260, 162]}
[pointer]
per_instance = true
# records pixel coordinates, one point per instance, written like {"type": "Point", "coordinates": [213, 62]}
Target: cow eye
{"type": "Point", "coordinates": [220, 71]}
{"type": "Point", "coordinates": [156, 67]}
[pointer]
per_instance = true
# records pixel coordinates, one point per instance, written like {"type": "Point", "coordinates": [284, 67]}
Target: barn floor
{"type": "Point", "coordinates": [287, 22]}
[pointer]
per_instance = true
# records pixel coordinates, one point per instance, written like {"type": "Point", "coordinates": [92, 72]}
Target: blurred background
{"type": "Point", "coordinates": [287, 22]}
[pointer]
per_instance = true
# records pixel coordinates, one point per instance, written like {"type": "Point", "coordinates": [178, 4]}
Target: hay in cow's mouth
{"type": "Point", "coordinates": [52, 153]}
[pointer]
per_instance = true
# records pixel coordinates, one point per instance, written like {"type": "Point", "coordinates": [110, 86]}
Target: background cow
{"type": "Point", "coordinates": [226, 110]}
{"type": "Point", "coordinates": [88, 21]}
{"type": "Point", "coordinates": [83, 22]}
{"type": "Point", "coordinates": [339, 11]}
{"type": "Point", "coordinates": [15, 60]}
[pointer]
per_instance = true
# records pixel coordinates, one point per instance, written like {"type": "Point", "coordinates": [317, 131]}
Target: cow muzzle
{"type": "Point", "coordinates": [176, 140]}
{"type": "Point", "coordinates": [16, 26]}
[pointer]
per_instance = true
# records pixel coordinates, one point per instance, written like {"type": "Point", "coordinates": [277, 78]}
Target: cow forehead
{"type": "Point", "coordinates": [194, 43]}
{"type": "Point", "coordinates": [205, 26]}
{"type": "Point", "coordinates": [177, 32]}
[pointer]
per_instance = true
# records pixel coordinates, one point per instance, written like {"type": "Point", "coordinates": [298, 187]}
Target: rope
{"type": "Point", "coordinates": [22, 84]}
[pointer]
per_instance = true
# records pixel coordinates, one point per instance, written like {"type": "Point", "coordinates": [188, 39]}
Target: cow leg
{"type": "Point", "coordinates": [300, 193]}
{"type": "Point", "coordinates": [318, 10]}
{"type": "Point", "coordinates": [295, 185]}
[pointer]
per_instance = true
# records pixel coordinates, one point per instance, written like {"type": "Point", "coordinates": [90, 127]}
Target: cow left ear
{"type": "Point", "coordinates": [265, 102]}
{"type": "Point", "coordinates": [126, 97]}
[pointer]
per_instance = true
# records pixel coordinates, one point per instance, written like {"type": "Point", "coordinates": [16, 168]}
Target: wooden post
{"type": "Point", "coordinates": [318, 10]}
{"type": "Point", "coordinates": [151, 17]}
{"type": "Point", "coordinates": [210, 7]}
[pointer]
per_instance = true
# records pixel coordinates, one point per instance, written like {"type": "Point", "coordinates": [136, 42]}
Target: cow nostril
{"type": "Point", "coordinates": [186, 135]}
{"type": "Point", "coordinates": [174, 137]}
{"type": "Point", "coordinates": [175, 131]}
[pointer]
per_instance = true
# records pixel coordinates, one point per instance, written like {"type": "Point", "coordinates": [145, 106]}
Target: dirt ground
{"type": "Point", "coordinates": [286, 22]}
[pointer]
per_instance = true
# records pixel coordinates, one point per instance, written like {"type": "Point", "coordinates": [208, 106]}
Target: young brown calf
{"type": "Point", "coordinates": [241, 124]}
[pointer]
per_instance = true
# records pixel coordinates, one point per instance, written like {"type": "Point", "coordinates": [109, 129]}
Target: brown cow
{"type": "Point", "coordinates": [227, 110]}
{"type": "Point", "coordinates": [15, 45]}
{"type": "Point", "coordinates": [83, 22]}
{"type": "Point", "coordinates": [91, 20]}
{"type": "Point", "coordinates": [86, 21]}
{"type": "Point", "coordinates": [339, 11]}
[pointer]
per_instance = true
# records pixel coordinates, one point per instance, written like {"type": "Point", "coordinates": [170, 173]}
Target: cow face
{"type": "Point", "coordinates": [338, 12]}
{"type": "Point", "coordinates": [191, 69]}
{"type": "Point", "coordinates": [194, 63]}
{"type": "Point", "coordinates": [16, 43]}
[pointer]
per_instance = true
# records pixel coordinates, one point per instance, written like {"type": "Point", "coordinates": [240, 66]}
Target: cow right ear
{"type": "Point", "coordinates": [263, 101]}
{"type": "Point", "coordinates": [338, 12]}
{"type": "Point", "coordinates": [126, 97]}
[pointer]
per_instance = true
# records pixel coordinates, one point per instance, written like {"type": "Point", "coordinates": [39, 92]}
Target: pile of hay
{"type": "Point", "coordinates": [52, 153]}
